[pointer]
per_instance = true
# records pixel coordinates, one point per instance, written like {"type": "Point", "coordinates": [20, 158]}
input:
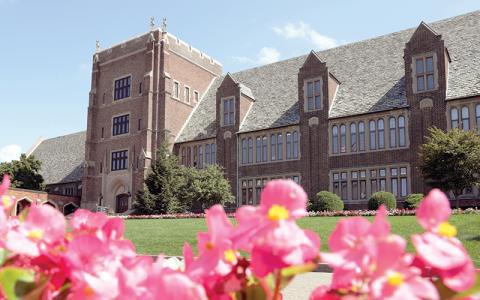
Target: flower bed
{"type": "Point", "coordinates": [42, 256]}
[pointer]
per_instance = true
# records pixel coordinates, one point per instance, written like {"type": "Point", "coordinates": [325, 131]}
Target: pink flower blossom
{"type": "Point", "coordinates": [43, 227]}
{"type": "Point", "coordinates": [438, 248]}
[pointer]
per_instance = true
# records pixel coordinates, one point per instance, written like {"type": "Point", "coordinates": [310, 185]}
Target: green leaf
{"type": "Point", "coordinates": [475, 289]}
{"type": "Point", "coordinates": [3, 256]}
{"type": "Point", "coordinates": [251, 292]}
{"type": "Point", "coordinates": [16, 282]}
{"type": "Point", "coordinates": [296, 270]}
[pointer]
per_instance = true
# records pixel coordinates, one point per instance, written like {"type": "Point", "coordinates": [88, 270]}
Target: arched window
{"type": "Point", "coordinates": [361, 136]}
{"type": "Point", "coordinates": [250, 150]}
{"type": "Point", "coordinates": [279, 146]}
{"type": "Point", "coordinates": [258, 145]}
{"type": "Point", "coordinates": [373, 136]}
{"type": "Point", "coordinates": [273, 147]}
{"type": "Point", "coordinates": [465, 118]}
{"type": "Point", "coordinates": [393, 132]}
{"type": "Point", "coordinates": [402, 136]}
{"type": "Point", "coordinates": [477, 113]}
{"type": "Point", "coordinates": [289, 146]}
{"type": "Point", "coordinates": [335, 139]}
{"type": "Point", "coordinates": [343, 138]}
{"type": "Point", "coordinates": [353, 137]}
{"type": "Point", "coordinates": [295, 144]}
{"type": "Point", "coordinates": [381, 133]}
{"type": "Point", "coordinates": [244, 151]}
{"type": "Point", "coordinates": [207, 154]}
{"type": "Point", "coordinates": [454, 117]}
{"type": "Point", "coordinates": [213, 154]}
{"type": "Point", "coordinates": [264, 148]}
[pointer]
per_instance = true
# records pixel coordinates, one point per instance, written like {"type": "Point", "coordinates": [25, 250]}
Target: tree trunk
{"type": "Point", "coordinates": [456, 196]}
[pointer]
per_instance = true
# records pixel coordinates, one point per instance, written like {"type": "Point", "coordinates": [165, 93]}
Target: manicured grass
{"type": "Point", "coordinates": [168, 236]}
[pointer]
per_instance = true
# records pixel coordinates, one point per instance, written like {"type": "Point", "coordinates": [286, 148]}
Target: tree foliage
{"type": "Point", "coordinates": [172, 188]}
{"type": "Point", "coordinates": [24, 173]}
{"type": "Point", "coordinates": [379, 198]}
{"type": "Point", "coordinates": [326, 201]}
{"type": "Point", "coordinates": [451, 160]}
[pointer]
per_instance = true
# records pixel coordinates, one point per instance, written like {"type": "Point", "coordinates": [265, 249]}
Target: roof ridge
{"type": "Point", "coordinates": [429, 24]}
{"type": "Point", "coordinates": [65, 135]}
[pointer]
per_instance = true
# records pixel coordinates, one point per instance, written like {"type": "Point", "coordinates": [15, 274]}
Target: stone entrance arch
{"type": "Point", "coordinates": [121, 203]}
{"type": "Point", "coordinates": [22, 204]}
{"type": "Point", "coordinates": [69, 208]}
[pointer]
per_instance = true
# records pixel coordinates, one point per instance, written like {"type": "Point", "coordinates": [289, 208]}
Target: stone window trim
{"type": "Point", "coordinates": [251, 186]}
{"type": "Point", "coordinates": [222, 101]}
{"type": "Point", "coordinates": [314, 95]}
{"type": "Point", "coordinates": [206, 160]}
{"type": "Point", "coordinates": [187, 93]}
{"type": "Point", "coordinates": [366, 125]}
{"type": "Point", "coordinates": [128, 133]}
{"type": "Point", "coordinates": [414, 72]}
{"type": "Point", "coordinates": [380, 174]}
{"type": "Point", "coordinates": [114, 80]}
{"type": "Point", "coordinates": [126, 150]}
{"type": "Point", "coordinates": [175, 92]}
{"type": "Point", "coordinates": [282, 143]}
{"type": "Point", "coordinates": [196, 96]}
{"type": "Point", "coordinates": [473, 106]}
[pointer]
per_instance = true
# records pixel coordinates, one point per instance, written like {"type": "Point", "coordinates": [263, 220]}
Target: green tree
{"type": "Point", "coordinates": [451, 160]}
{"type": "Point", "coordinates": [24, 173]}
{"type": "Point", "coordinates": [161, 184]}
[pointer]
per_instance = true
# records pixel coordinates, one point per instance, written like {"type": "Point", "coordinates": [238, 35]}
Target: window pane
{"type": "Point", "coordinates": [250, 150]}
{"type": "Point", "coordinates": [430, 85]}
{"type": "Point", "coordinates": [394, 187]}
{"type": "Point", "coordinates": [361, 136]}
{"type": "Point", "coordinates": [429, 63]}
{"type": "Point", "coordinates": [310, 103]}
{"type": "Point", "coordinates": [273, 147]}
{"type": "Point", "coordinates": [265, 149]}
{"type": "Point", "coordinates": [373, 136]}
{"type": "Point", "coordinates": [381, 134]}
{"type": "Point", "coordinates": [353, 137]}
{"type": "Point", "coordinates": [420, 83]}
{"type": "Point", "coordinates": [295, 144]}
{"type": "Point", "coordinates": [403, 182]}
{"type": "Point", "coordinates": [343, 138]}
{"type": "Point", "coordinates": [310, 89]}
{"type": "Point", "coordinates": [393, 132]}
{"type": "Point", "coordinates": [465, 118]}
{"type": "Point", "coordinates": [477, 113]}
{"type": "Point", "coordinates": [317, 87]}
{"type": "Point", "coordinates": [258, 144]}
{"type": "Point", "coordinates": [317, 102]}
{"type": "Point", "coordinates": [289, 145]}
{"type": "Point", "coordinates": [419, 66]}
{"type": "Point", "coordinates": [335, 139]}
{"type": "Point", "coordinates": [279, 146]}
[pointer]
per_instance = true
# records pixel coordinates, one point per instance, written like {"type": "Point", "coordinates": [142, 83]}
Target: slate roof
{"type": "Point", "coordinates": [371, 73]}
{"type": "Point", "coordinates": [62, 158]}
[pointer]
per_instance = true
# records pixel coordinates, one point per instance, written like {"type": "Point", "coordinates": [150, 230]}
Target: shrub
{"type": "Point", "coordinates": [413, 200]}
{"type": "Point", "coordinates": [380, 198]}
{"type": "Point", "coordinates": [326, 201]}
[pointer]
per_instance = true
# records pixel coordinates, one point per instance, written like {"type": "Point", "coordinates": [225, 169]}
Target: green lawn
{"type": "Point", "coordinates": [168, 236]}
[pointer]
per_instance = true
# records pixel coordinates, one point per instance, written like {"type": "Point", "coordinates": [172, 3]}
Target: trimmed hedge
{"type": "Point", "coordinates": [326, 201]}
{"type": "Point", "coordinates": [413, 200]}
{"type": "Point", "coordinates": [379, 198]}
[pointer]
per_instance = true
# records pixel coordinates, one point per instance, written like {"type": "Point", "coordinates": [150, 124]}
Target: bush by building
{"type": "Point", "coordinates": [379, 198]}
{"type": "Point", "coordinates": [326, 201]}
{"type": "Point", "coordinates": [413, 200]}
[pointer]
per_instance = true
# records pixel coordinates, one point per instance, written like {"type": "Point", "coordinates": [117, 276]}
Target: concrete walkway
{"type": "Point", "coordinates": [303, 285]}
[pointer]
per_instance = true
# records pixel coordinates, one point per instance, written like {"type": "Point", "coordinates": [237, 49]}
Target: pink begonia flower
{"type": "Point", "coordinates": [165, 283]}
{"type": "Point", "coordinates": [132, 277]}
{"type": "Point", "coordinates": [217, 257]}
{"type": "Point", "coordinates": [43, 227]}
{"type": "Point", "coordinates": [86, 221]}
{"type": "Point", "coordinates": [270, 233]}
{"type": "Point", "coordinates": [394, 276]}
{"type": "Point", "coordinates": [438, 248]}
{"type": "Point", "coordinates": [5, 185]}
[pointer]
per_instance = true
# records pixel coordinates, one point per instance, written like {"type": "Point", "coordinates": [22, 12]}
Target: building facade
{"type": "Point", "coordinates": [349, 119]}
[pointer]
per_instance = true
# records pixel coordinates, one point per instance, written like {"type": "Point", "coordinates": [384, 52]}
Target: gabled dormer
{"type": "Point", "coordinates": [316, 86]}
{"type": "Point", "coordinates": [426, 64]}
{"type": "Point", "coordinates": [233, 102]}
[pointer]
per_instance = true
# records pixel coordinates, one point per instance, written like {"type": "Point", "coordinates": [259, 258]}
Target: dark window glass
{"type": "Point", "coordinates": [273, 147]}
{"type": "Point", "coordinates": [429, 63]}
{"type": "Point", "coordinates": [140, 90]}
{"type": "Point", "coordinates": [318, 100]}
{"type": "Point", "coordinates": [264, 149]}
{"type": "Point", "coordinates": [454, 117]}
{"type": "Point", "coordinates": [477, 114]}
{"type": "Point", "coordinates": [258, 145]}
{"type": "Point", "coordinates": [279, 146]}
{"type": "Point", "coordinates": [119, 160]}
{"type": "Point", "coordinates": [122, 88]}
{"type": "Point", "coordinates": [310, 96]}
{"type": "Point", "coordinates": [343, 138]}
{"type": "Point", "coordinates": [250, 150]}
{"type": "Point", "coordinates": [120, 125]}
{"type": "Point", "coordinates": [353, 137]}
{"type": "Point", "coordinates": [373, 136]}
{"type": "Point", "coordinates": [213, 148]}
{"type": "Point", "coordinates": [402, 132]}
{"type": "Point", "coordinates": [335, 139]}
{"type": "Point", "coordinates": [244, 151]}
{"type": "Point", "coordinates": [381, 134]}
{"type": "Point", "coordinates": [465, 118]}
{"type": "Point", "coordinates": [289, 146]}
{"type": "Point", "coordinates": [207, 154]}
{"type": "Point", "coordinates": [420, 83]}
{"type": "Point", "coordinates": [395, 187]}
{"type": "Point", "coordinates": [361, 136]}
{"type": "Point", "coordinates": [228, 112]}
{"type": "Point", "coordinates": [393, 132]}
{"type": "Point", "coordinates": [295, 144]}
{"type": "Point", "coordinates": [419, 66]}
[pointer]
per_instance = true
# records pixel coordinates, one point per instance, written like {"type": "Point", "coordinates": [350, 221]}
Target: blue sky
{"type": "Point", "coordinates": [47, 45]}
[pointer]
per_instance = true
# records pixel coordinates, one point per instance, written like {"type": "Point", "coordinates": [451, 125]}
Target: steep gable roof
{"type": "Point", "coordinates": [62, 158]}
{"type": "Point", "coordinates": [371, 72]}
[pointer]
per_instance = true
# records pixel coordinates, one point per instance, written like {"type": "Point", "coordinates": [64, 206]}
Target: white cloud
{"type": "Point", "coordinates": [10, 152]}
{"type": "Point", "coordinates": [266, 55]}
{"type": "Point", "coordinates": [302, 30]}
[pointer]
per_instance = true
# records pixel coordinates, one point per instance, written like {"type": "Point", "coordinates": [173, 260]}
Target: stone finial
{"type": "Point", "coordinates": [97, 46]}
{"type": "Point", "coordinates": [164, 25]}
{"type": "Point", "coordinates": [152, 23]}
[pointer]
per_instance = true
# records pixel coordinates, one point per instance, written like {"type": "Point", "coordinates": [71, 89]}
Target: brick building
{"type": "Point", "coordinates": [348, 119]}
